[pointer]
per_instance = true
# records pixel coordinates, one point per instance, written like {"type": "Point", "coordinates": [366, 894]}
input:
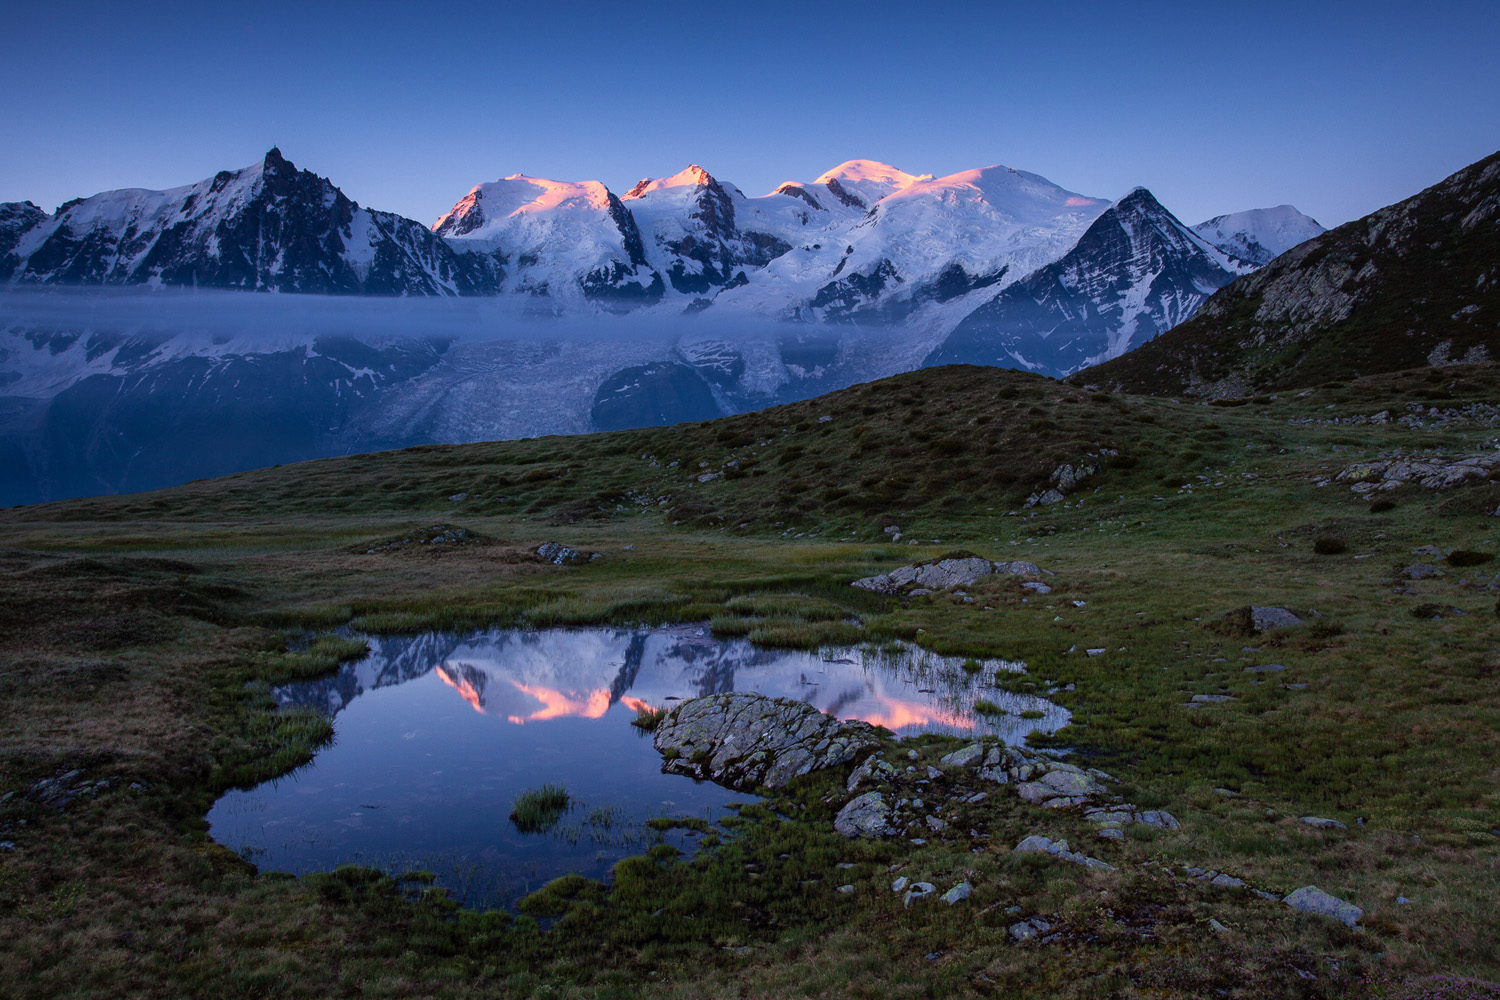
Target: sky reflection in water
{"type": "Point", "coordinates": [437, 734]}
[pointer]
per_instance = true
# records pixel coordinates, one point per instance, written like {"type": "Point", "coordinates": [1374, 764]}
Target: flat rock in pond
{"type": "Point", "coordinates": [1311, 899]}
{"type": "Point", "coordinates": [743, 740]}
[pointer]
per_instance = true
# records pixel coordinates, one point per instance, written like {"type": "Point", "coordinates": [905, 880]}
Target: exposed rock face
{"type": "Point", "coordinates": [268, 227]}
{"type": "Point", "coordinates": [1432, 472]}
{"type": "Point", "coordinates": [653, 396]}
{"type": "Point", "coordinates": [1413, 284]}
{"type": "Point", "coordinates": [745, 740]}
{"type": "Point", "coordinates": [941, 574]}
{"type": "Point", "coordinates": [1136, 272]}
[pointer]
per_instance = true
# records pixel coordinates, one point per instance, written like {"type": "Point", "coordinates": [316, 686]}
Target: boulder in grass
{"type": "Point", "coordinates": [1311, 899]}
{"type": "Point", "coordinates": [1253, 619]}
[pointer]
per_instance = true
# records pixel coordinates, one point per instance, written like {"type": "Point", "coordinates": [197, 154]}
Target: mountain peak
{"type": "Point", "coordinates": [870, 171]}
{"type": "Point", "coordinates": [693, 176]}
{"type": "Point", "coordinates": [1259, 235]}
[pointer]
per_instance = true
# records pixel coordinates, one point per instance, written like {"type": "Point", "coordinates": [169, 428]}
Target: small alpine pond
{"type": "Point", "coordinates": [436, 735]}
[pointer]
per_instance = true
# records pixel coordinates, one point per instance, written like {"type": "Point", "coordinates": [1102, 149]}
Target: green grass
{"type": "Point", "coordinates": [648, 718]}
{"type": "Point", "coordinates": [139, 637]}
{"type": "Point", "coordinates": [538, 809]}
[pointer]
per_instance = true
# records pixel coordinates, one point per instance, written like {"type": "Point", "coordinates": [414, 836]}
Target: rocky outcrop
{"type": "Point", "coordinates": [1433, 472]}
{"type": "Point", "coordinates": [1411, 285]}
{"type": "Point", "coordinates": [941, 574]}
{"type": "Point", "coordinates": [745, 740]}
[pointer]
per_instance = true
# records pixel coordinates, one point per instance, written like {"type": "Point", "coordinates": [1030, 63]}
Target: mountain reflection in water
{"type": "Point", "coordinates": [436, 735]}
{"type": "Point", "coordinates": [535, 676]}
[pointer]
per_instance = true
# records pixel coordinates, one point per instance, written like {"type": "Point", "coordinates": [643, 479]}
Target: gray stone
{"type": "Point", "coordinates": [1212, 699]}
{"type": "Point", "coordinates": [965, 756]}
{"type": "Point", "coordinates": [7, 845]}
{"type": "Point", "coordinates": [1421, 571]}
{"type": "Point", "coordinates": [900, 884]}
{"type": "Point", "coordinates": [1430, 551]}
{"type": "Point", "coordinates": [1060, 781]}
{"type": "Point", "coordinates": [743, 740]}
{"type": "Point", "coordinates": [1036, 844]}
{"type": "Point", "coordinates": [1095, 652]}
{"type": "Point", "coordinates": [558, 554]}
{"type": "Point", "coordinates": [869, 815]}
{"type": "Point", "coordinates": [958, 893]}
{"type": "Point", "coordinates": [1323, 824]}
{"type": "Point", "coordinates": [1263, 619]}
{"type": "Point", "coordinates": [1217, 927]}
{"type": "Point", "coordinates": [1269, 668]}
{"type": "Point", "coordinates": [1040, 588]}
{"type": "Point", "coordinates": [918, 892]}
{"type": "Point", "coordinates": [1160, 819]}
{"type": "Point", "coordinates": [941, 574]}
{"type": "Point", "coordinates": [1311, 899]}
{"type": "Point", "coordinates": [1227, 882]}
{"type": "Point", "coordinates": [846, 888]}
{"type": "Point", "coordinates": [1023, 931]}
{"type": "Point", "coordinates": [936, 825]}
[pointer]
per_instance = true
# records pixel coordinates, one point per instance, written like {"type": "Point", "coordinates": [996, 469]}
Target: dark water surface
{"type": "Point", "coordinates": [436, 735]}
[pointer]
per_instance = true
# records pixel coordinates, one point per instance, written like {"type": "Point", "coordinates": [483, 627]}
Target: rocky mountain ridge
{"type": "Point", "coordinates": [1413, 284]}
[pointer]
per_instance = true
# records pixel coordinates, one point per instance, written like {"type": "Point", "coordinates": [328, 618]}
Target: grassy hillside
{"type": "Point", "coordinates": [1413, 284]}
{"type": "Point", "coordinates": [138, 636]}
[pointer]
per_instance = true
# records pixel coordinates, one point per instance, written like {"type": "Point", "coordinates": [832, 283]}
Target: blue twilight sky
{"type": "Point", "coordinates": [1337, 108]}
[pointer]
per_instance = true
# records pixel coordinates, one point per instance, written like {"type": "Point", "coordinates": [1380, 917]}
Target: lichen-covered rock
{"type": "Point", "coordinates": [744, 740]}
{"type": "Point", "coordinates": [869, 815]}
{"type": "Point", "coordinates": [558, 554]}
{"type": "Point", "coordinates": [942, 574]}
{"type": "Point", "coordinates": [958, 893]}
{"type": "Point", "coordinates": [1061, 786]}
{"type": "Point", "coordinates": [1311, 899]}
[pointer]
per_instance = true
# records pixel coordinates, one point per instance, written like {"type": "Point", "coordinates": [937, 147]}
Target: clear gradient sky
{"type": "Point", "coordinates": [1337, 108]}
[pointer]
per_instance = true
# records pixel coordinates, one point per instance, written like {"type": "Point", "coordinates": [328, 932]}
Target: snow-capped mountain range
{"type": "Point", "coordinates": [700, 301]}
{"type": "Point", "coordinates": [864, 242]}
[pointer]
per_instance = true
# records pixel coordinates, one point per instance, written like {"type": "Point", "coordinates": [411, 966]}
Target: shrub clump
{"type": "Point", "coordinates": [1329, 545]}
